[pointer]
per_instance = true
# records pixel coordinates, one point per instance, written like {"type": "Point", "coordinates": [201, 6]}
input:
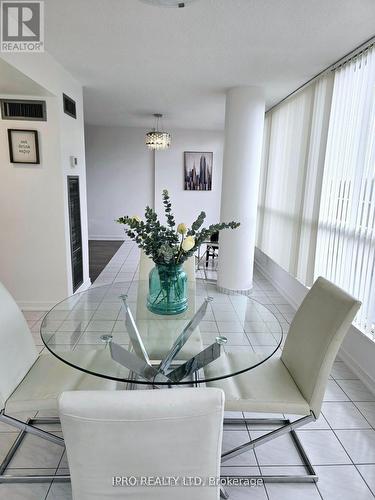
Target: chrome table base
{"type": "Point", "coordinates": [137, 360]}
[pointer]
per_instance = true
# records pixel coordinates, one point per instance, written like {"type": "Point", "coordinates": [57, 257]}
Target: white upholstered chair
{"type": "Point", "coordinates": [295, 382]}
{"type": "Point", "coordinates": [30, 381]}
{"type": "Point", "coordinates": [146, 264]}
{"type": "Point", "coordinates": [142, 434]}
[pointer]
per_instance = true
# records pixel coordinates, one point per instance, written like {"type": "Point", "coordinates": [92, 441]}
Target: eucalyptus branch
{"type": "Point", "coordinates": [168, 209]}
{"type": "Point", "coordinates": [197, 224]}
{"type": "Point", "coordinates": [162, 243]}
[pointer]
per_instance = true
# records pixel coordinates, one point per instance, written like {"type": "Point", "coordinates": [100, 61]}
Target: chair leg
{"type": "Point", "coordinates": [223, 493]}
{"type": "Point", "coordinates": [286, 427]}
{"type": "Point", "coordinates": [28, 427]}
{"type": "Point", "coordinates": [25, 428]}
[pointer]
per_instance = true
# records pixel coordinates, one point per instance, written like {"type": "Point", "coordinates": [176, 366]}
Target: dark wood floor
{"type": "Point", "coordinates": [100, 253]}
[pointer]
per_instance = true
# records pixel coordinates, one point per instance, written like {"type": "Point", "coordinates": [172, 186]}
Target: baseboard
{"type": "Point", "coordinates": [288, 286]}
{"type": "Point", "coordinates": [277, 285]}
{"type": "Point", "coordinates": [108, 237]}
{"type": "Point", "coordinates": [46, 306]}
{"type": "Point", "coordinates": [36, 306]}
{"type": "Point", "coordinates": [365, 377]}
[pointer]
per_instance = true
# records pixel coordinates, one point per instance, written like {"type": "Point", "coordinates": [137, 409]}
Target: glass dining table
{"type": "Point", "coordinates": [108, 331]}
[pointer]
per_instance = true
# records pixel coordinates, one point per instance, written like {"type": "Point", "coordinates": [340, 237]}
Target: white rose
{"type": "Point", "coordinates": [188, 243]}
{"type": "Point", "coordinates": [136, 218]}
{"type": "Point", "coordinates": [181, 228]}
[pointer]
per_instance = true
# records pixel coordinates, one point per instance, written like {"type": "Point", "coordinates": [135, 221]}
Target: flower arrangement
{"type": "Point", "coordinates": [169, 244]}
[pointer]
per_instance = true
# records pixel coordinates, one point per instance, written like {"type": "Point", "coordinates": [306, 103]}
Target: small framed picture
{"type": "Point", "coordinates": [23, 146]}
{"type": "Point", "coordinates": [198, 171]}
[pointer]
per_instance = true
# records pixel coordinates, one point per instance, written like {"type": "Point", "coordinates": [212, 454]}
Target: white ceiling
{"type": "Point", "coordinates": [134, 59]}
{"type": "Point", "coordinates": [13, 82]}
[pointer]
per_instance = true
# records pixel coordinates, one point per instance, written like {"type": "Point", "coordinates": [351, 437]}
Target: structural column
{"type": "Point", "coordinates": [244, 123]}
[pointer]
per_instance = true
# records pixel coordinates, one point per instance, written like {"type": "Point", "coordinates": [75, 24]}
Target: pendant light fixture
{"type": "Point", "coordinates": [156, 139]}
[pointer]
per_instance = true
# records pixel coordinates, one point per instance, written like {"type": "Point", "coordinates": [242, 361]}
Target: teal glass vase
{"type": "Point", "coordinates": [167, 289]}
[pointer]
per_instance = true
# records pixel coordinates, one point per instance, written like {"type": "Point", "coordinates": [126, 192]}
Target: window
{"type": "Point", "coordinates": [292, 169]}
{"type": "Point", "coordinates": [316, 213]}
{"type": "Point", "coordinates": [345, 251]}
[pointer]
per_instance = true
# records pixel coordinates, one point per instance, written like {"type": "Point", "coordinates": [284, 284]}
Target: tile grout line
{"type": "Point", "coordinates": [263, 290]}
{"type": "Point", "coordinates": [347, 453]}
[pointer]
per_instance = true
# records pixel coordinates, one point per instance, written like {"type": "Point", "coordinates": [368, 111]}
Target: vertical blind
{"type": "Point", "coordinates": [345, 251]}
{"type": "Point", "coordinates": [316, 210]}
{"type": "Point", "coordinates": [292, 166]}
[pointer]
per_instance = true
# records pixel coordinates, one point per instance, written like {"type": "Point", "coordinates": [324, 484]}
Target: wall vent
{"type": "Point", "coordinates": [69, 106]}
{"type": "Point", "coordinates": [16, 109]}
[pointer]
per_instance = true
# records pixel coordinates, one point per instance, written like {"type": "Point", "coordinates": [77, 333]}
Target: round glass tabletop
{"type": "Point", "coordinates": [107, 331]}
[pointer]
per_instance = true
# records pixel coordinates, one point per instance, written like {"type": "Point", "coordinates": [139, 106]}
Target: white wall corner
{"type": "Point", "coordinates": [41, 248]}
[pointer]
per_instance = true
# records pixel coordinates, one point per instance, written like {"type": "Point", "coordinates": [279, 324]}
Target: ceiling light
{"type": "Point", "coordinates": [169, 3]}
{"type": "Point", "coordinates": [156, 139]}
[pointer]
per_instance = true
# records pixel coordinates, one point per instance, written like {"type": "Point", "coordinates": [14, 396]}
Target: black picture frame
{"type": "Point", "coordinates": [32, 133]}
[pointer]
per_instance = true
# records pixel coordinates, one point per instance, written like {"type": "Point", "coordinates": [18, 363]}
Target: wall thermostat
{"type": "Point", "coordinates": [73, 161]}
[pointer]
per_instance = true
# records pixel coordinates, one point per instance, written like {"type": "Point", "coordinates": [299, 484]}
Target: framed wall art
{"type": "Point", "coordinates": [198, 171]}
{"type": "Point", "coordinates": [23, 146]}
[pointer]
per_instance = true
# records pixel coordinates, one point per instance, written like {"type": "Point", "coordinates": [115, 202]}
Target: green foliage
{"type": "Point", "coordinates": [168, 209]}
{"type": "Point", "coordinates": [162, 243]}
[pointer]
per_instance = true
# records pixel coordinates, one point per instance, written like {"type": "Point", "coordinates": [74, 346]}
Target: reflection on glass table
{"type": "Point", "coordinates": [109, 332]}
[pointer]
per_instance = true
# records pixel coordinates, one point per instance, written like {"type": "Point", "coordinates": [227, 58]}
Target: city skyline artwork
{"type": "Point", "coordinates": [198, 171]}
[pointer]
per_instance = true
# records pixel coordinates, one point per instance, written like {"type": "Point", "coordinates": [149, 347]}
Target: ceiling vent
{"type": "Point", "coordinates": [69, 106]}
{"type": "Point", "coordinates": [16, 109]}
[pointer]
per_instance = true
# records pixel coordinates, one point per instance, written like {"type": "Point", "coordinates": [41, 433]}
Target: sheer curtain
{"type": "Point", "coordinates": [291, 176]}
{"type": "Point", "coordinates": [345, 251]}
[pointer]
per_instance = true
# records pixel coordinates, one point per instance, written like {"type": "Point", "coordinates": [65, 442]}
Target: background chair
{"type": "Point", "coordinates": [294, 383]}
{"type": "Point", "coordinates": [31, 382]}
{"type": "Point", "coordinates": [212, 248]}
{"type": "Point", "coordinates": [156, 433]}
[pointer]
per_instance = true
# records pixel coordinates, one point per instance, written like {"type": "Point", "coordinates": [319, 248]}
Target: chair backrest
{"type": "Point", "coordinates": [214, 237]}
{"type": "Point", "coordinates": [146, 264]}
{"type": "Point", "coordinates": [142, 434]}
{"type": "Point", "coordinates": [315, 336]}
{"type": "Point", "coordinates": [17, 347]}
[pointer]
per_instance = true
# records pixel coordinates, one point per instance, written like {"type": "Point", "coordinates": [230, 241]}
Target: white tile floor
{"type": "Point", "coordinates": [341, 444]}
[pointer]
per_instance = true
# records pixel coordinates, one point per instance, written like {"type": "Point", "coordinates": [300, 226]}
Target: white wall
{"type": "Point", "coordinates": [169, 174]}
{"type": "Point", "coordinates": [121, 179]}
{"type": "Point", "coordinates": [35, 246]}
{"type": "Point", "coordinates": [32, 250]}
